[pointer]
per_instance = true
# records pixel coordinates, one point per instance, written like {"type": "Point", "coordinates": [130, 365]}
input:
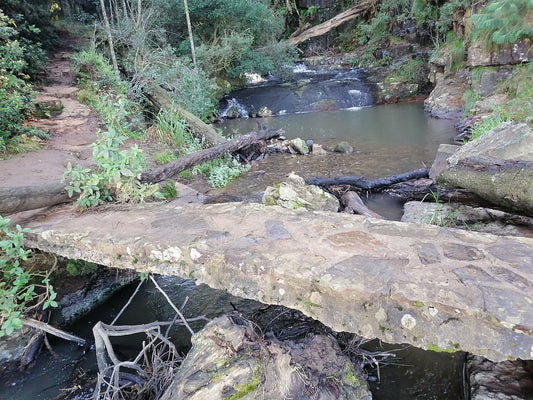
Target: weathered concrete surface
{"type": "Point", "coordinates": [436, 288]}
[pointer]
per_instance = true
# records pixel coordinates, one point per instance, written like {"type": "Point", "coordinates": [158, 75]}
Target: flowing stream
{"type": "Point", "coordinates": [386, 140]}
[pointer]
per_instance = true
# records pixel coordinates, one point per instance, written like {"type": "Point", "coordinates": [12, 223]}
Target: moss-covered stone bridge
{"type": "Point", "coordinates": [433, 287]}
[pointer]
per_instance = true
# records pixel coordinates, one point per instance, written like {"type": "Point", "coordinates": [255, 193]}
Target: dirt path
{"type": "Point", "coordinates": [71, 132]}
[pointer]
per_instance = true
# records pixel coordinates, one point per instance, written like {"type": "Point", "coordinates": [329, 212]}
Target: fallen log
{"type": "Point", "coordinates": [173, 168]}
{"type": "Point", "coordinates": [23, 198]}
{"type": "Point", "coordinates": [353, 204]}
{"type": "Point", "coordinates": [507, 184]}
{"type": "Point", "coordinates": [365, 184]}
{"type": "Point", "coordinates": [328, 25]}
{"type": "Point", "coordinates": [160, 99]}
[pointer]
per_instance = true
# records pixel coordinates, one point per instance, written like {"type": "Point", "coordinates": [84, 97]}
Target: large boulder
{"type": "Point", "coordinates": [295, 194]}
{"type": "Point", "coordinates": [498, 167]}
{"type": "Point", "coordinates": [229, 360]}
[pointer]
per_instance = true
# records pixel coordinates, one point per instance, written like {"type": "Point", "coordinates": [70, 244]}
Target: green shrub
{"type": "Point", "coordinates": [15, 92]}
{"type": "Point", "coordinates": [115, 177]}
{"type": "Point", "coordinates": [111, 97]}
{"type": "Point", "coordinates": [21, 290]}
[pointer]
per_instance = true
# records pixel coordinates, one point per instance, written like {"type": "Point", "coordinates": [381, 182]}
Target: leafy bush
{"type": "Point", "coordinates": [21, 290]}
{"type": "Point", "coordinates": [115, 177]}
{"type": "Point", "coordinates": [111, 97]}
{"type": "Point", "coordinates": [15, 91]}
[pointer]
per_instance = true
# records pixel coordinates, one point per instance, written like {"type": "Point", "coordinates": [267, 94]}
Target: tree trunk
{"type": "Point", "coordinates": [353, 204]}
{"type": "Point", "coordinates": [181, 164]}
{"type": "Point", "coordinates": [110, 39]}
{"type": "Point", "coordinates": [337, 20]}
{"type": "Point", "coordinates": [23, 198]}
{"type": "Point", "coordinates": [160, 98]}
{"type": "Point", "coordinates": [189, 28]}
{"type": "Point", "coordinates": [365, 184]}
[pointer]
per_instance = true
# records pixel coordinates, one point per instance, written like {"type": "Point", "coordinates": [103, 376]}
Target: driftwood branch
{"type": "Point", "coordinates": [43, 326]}
{"type": "Point", "coordinates": [353, 204]}
{"type": "Point", "coordinates": [328, 25]}
{"type": "Point", "coordinates": [365, 184]}
{"type": "Point", "coordinates": [181, 164]}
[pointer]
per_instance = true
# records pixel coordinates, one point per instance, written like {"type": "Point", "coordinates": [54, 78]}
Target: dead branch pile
{"type": "Point", "coordinates": [152, 370]}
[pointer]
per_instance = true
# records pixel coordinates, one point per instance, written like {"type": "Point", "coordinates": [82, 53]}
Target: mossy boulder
{"type": "Point", "coordinates": [295, 194]}
{"type": "Point", "coordinates": [229, 360]}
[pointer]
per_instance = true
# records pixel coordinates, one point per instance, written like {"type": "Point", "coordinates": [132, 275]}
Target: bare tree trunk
{"type": "Point", "coordinates": [328, 25]}
{"type": "Point", "coordinates": [166, 171]}
{"type": "Point", "coordinates": [189, 28]}
{"type": "Point", "coordinates": [23, 198]}
{"type": "Point", "coordinates": [110, 39]}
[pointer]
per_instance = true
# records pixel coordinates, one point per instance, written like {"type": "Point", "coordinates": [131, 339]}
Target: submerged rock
{"type": "Point", "coordinates": [229, 360]}
{"type": "Point", "coordinates": [343, 147]}
{"type": "Point", "coordinates": [295, 194]}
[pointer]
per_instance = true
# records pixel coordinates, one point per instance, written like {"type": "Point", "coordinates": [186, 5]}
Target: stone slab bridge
{"type": "Point", "coordinates": [435, 288]}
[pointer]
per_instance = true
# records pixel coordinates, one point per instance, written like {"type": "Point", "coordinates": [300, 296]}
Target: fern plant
{"type": "Point", "coordinates": [504, 22]}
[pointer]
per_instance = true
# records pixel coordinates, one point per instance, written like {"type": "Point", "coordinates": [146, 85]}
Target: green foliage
{"type": "Point", "coordinates": [111, 97]}
{"type": "Point", "coordinates": [469, 98]}
{"type": "Point", "coordinates": [232, 37]}
{"type": "Point", "coordinates": [520, 88]}
{"type": "Point", "coordinates": [409, 71]}
{"type": "Point", "coordinates": [115, 176]}
{"type": "Point", "coordinates": [169, 190]}
{"type": "Point", "coordinates": [15, 91]}
{"type": "Point", "coordinates": [219, 172]}
{"type": "Point", "coordinates": [21, 290]}
{"type": "Point", "coordinates": [80, 267]}
{"type": "Point", "coordinates": [504, 22]}
{"type": "Point", "coordinates": [486, 124]}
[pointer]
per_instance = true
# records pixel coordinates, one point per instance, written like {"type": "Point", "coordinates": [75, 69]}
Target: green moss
{"type": "Point", "coordinates": [419, 304]}
{"type": "Point", "coordinates": [434, 347]}
{"type": "Point", "coordinates": [270, 202]}
{"type": "Point", "coordinates": [246, 388]}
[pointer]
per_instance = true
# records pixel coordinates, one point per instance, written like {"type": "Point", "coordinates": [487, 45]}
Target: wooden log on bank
{"type": "Point", "coordinates": [328, 25]}
{"type": "Point", "coordinates": [353, 204]}
{"type": "Point", "coordinates": [23, 198]}
{"type": "Point", "coordinates": [173, 168]}
{"type": "Point", "coordinates": [365, 184]}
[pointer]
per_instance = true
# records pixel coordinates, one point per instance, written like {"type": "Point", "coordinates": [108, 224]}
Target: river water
{"type": "Point", "coordinates": [387, 140]}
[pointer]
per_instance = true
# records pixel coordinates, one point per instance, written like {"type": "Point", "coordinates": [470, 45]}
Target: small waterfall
{"type": "Point", "coordinates": [307, 91]}
{"type": "Point", "coordinates": [233, 109]}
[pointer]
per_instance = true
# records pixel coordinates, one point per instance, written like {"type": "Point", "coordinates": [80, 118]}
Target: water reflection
{"type": "Point", "coordinates": [387, 140]}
